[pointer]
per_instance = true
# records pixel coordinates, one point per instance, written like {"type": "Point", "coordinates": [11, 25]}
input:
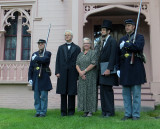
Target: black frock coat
{"type": "Point", "coordinates": [44, 82]}
{"type": "Point", "coordinates": [107, 53]}
{"type": "Point", "coordinates": [66, 67]}
{"type": "Point", "coordinates": [131, 74]}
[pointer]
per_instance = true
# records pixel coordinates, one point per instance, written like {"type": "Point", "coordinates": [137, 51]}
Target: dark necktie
{"type": "Point", "coordinates": [103, 43]}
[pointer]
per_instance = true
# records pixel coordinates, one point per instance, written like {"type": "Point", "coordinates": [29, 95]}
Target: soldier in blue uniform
{"type": "Point", "coordinates": [131, 75]}
{"type": "Point", "coordinates": [40, 81]}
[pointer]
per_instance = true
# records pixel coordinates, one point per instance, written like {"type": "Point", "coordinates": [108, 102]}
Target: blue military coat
{"type": "Point", "coordinates": [131, 74]}
{"type": "Point", "coordinates": [44, 82]}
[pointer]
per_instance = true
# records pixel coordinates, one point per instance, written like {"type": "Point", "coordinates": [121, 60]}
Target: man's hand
{"type": "Point", "coordinates": [30, 82]}
{"type": "Point", "coordinates": [118, 73]}
{"type": "Point", "coordinates": [58, 75]}
{"type": "Point", "coordinates": [33, 57]}
{"type": "Point", "coordinates": [121, 44]}
{"type": "Point", "coordinates": [107, 72]}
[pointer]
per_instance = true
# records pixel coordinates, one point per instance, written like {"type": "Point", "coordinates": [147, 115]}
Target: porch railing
{"type": "Point", "coordinates": [14, 71]}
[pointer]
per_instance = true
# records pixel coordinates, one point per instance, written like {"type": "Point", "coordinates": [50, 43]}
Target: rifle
{"type": "Point", "coordinates": [40, 71]}
{"type": "Point", "coordinates": [135, 33]}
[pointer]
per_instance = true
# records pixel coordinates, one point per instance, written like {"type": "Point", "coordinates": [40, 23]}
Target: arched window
{"type": "Point", "coordinates": [17, 39]}
{"type": "Point", "coordinates": [11, 39]}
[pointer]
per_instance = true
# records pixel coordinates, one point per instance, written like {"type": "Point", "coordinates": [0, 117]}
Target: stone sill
{"type": "Point", "coordinates": [38, 19]}
{"type": "Point", "coordinates": [13, 83]}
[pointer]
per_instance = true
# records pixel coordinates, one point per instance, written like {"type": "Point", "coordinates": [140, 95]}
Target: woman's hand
{"type": "Point", "coordinates": [84, 77]}
{"type": "Point", "coordinates": [81, 73]}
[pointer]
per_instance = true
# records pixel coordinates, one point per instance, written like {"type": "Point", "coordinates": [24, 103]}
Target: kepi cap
{"type": "Point", "coordinates": [41, 41]}
{"type": "Point", "coordinates": [129, 21]}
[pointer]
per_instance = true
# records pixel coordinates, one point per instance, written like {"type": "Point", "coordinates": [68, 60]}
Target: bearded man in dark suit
{"type": "Point", "coordinates": [106, 49]}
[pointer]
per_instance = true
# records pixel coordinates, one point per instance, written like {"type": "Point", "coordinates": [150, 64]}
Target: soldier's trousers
{"type": "Point", "coordinates": [40, 100]}
{"type": "Point", "coordinates": [132, 100]}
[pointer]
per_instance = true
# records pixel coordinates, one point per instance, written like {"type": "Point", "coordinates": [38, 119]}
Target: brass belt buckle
{"type": "Point", "coordinates": [37, 68]}
{"type": "Point", "coordinates": [126, 55]}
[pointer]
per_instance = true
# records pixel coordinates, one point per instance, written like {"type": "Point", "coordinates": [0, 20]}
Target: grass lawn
{"type": "Point", "coordinates": [23, 119]}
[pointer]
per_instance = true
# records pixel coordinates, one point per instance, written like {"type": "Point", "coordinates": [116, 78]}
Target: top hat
{"type": "Point", "coordinates": [107, 24]}
{"type": "Point", "coordinates": [129, 21]}
{"type": "Point", "coordinates": [41, 41]}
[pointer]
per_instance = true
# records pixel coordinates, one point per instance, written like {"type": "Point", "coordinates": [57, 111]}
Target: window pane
{"type": "Point", "coordinates": [8, 40]}
{"type": "Point", "coordinates": [10, 48]}
{"type": "Point", "coordinates": [14, 41]}
{"type": "Point", "coordinates": [25, 55]}
{"type": "Point", "coordinates": [26, 42]}
{"type": "Point", "coordinates": [13, 54]}
{"type": "Point", "coordinates": [7, 55]}
{"type": "Point", "coordinates": [11, 38]}
{"type": "Point", "coordinates": [26, 48]}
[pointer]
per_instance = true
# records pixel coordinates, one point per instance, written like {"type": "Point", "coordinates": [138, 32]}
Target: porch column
{"type": "Point", "coordinates": [77, 21]}
{"type": "Point", "coordinates": [155, 48]}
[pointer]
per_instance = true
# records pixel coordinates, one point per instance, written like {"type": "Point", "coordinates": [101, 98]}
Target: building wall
{"type": "Point", "coordinates": [69, 14]}
{"type": "Point", "coordinates": [155, 38]}
{"type": "Point", "coordinates": [59, 15]}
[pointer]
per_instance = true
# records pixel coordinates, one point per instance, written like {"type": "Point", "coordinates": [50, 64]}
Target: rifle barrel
{"type": "Point", "coordinates": [135, 33]}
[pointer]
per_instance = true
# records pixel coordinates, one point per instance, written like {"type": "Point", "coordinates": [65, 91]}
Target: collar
{"type": "Point", "coordinates": [68, 43]}
{"type": "Point", "coordinates": [129, 35]}
{"type": "Point", "coordinates": [40, 52]}
{"type": "Point", "coordinates": [107, 38]}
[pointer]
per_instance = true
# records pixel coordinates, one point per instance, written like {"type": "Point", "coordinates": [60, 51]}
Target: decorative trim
{"type": "Point", "coordinates": [2, 31]}
{"type": "Point", "coordinates": [24, 13]}
{"type": "Point", "coordinates": [11, 3]}
{"type": "Point", "coordinates": [91, 9]}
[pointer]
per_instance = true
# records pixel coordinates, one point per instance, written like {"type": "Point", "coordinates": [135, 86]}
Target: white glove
{"type": "Point", "coordinates": [121, 44]}
{"type": "Point", "coordinates": [33, 57]}
{"type": "Point", "coordinates": [30, 82]}
{"type": "Point", "coordinates": [118, 73]}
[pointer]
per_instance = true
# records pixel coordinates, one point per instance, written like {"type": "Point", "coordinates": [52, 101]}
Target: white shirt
{"type": "Point", "coordinates": [69, 46]}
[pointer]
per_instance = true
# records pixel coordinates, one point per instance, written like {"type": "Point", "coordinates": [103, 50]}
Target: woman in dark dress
{"type": "Point", "coordinates": [87, 88]}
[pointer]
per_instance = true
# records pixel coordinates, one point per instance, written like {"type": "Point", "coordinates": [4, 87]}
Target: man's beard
{"type": "Point", "coordinates": [103, 36]}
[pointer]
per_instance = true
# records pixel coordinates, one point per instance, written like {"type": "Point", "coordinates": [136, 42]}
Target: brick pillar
{"type": "Point", "coordinates": [77, 21]}
{"type": "Point", "coordinates": [155, 45]}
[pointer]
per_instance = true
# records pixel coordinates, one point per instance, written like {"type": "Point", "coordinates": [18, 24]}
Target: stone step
{"type": "Point", "coordinates": [143, 96]}
{"type": "Point", "coordinates": [143, 90]}
{"type": "Point", "coordinates": [145, 103]}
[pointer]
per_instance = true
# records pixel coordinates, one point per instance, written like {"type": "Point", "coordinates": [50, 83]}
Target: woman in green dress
{"type": "Point", "coordinates": [87, 84]}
